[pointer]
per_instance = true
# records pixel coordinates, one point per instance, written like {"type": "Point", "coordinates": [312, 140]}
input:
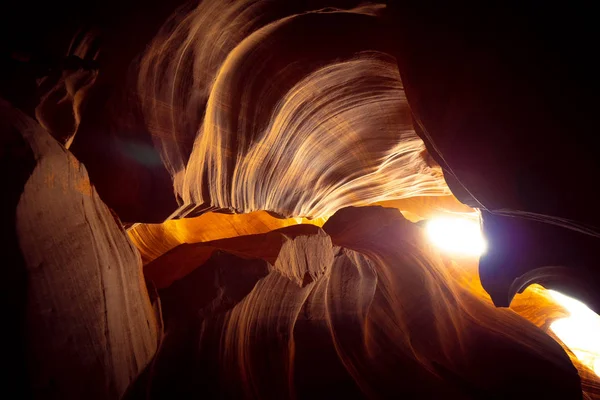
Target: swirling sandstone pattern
{"type": "Point", "coordinates": [250, 112]}
{"type": "Point", "coordinates": [280, 117]}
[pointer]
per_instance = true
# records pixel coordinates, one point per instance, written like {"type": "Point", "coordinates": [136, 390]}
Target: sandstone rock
{"type": "Point", "coordinates": [382, 314]}
{"type": "Point", "coordinates": [80, 302]}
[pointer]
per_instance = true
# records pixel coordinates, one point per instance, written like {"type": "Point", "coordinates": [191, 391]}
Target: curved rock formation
{"type": "Point", "coordinates": [257, 128]}
{"type": "Point", "coordinates": [78, 305]}
{"type": "Point", "coordinates": [362, 307]}
{"type": "Point", "coordinates": [192, 114]}
{"type": "Point", "coordinates": [281, 124]}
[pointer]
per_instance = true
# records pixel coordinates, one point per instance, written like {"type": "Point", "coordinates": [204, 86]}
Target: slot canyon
{"type": "Point", "coordinates": [299, 199]}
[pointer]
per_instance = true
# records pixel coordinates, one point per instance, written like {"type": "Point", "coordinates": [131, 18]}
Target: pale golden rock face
{"type": "Point", "coordinates": [153, 240]}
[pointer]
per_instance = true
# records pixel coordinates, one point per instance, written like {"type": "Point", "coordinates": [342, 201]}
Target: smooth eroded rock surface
{"type": "Point", "coordinates": [88, 325]}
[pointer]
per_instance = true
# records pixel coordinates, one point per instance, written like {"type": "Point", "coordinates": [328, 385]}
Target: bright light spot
{"type": "Point", "coordinates": [457, 235]}
{"type": "Point", "coordinates": [580, 331]}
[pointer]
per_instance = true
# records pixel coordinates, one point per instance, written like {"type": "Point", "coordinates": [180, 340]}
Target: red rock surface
{"type": "Point", "coordinates": [239, 142]}
{"type": "Point", "coordinates": [88, 325]}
